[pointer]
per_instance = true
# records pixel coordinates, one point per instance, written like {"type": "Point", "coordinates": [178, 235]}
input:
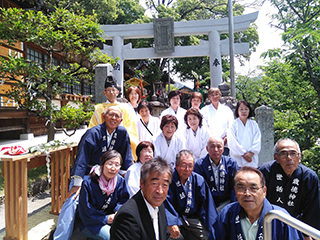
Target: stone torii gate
{"type": "Point", "coordinates": [213, 48]}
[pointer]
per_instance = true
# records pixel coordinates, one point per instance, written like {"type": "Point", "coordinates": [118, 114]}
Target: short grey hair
{"type": "Point", "coordinates": [276, 146]}
{"type": "Point", "coordinates": [107, 110]}
{"type": "Point", "coordinates": [183, 152]}
{"type": "Point", "coordinates": [216, 137]}
{"type": "Point", "coordinates": [156, 164]}
{"type": "Point", "coordinates": [253, 170]}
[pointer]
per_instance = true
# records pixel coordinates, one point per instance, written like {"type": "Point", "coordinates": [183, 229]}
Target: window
{"type": "Point", "coordinates": [88, 89]}
{"type": "Point", "coordinates": [77, 88]}
{"type": "Point", "coordinates": [34, 55]}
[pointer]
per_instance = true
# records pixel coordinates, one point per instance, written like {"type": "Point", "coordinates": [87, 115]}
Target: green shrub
{"type": "Point", "coordinates": [311, 159]}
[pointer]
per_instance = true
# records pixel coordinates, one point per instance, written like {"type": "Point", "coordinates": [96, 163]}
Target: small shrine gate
{"type": "Point", "coordinates": [214, 47]}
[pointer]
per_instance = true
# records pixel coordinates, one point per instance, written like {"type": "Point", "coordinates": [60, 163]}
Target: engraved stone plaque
{"type": "Point", "coordinates": [163, 35]}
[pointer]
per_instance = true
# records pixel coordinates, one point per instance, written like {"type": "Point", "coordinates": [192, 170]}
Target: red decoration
{"type": "Point", "coordinates": [13, 150]}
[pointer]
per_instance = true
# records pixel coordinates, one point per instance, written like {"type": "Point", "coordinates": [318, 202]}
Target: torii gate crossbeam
{"type": "Point", "coordinates": [213, 48]}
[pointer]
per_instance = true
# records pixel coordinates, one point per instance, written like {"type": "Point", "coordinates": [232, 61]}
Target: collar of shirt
{"type": "Point", "coordinates": [186, 185]}
{"type": "Point", "coordinates": [214, 166]}
{"type": "Point", "coordinates": [175, 112]}
{"type": "Point", "coordinates": [215, 169]}
{"type": "Point", "coordinates": [154, 222]}
{"type": "Point", "coordinates": [110, 102]}
{"type": "Point", "coordinates": [109, 136]}
{"type": "Point", "coordinates": [249, 230]}
{"type": "Point", "coordinates": [150, 208]}
{"type": "Point", "coordinates": [214, 107]}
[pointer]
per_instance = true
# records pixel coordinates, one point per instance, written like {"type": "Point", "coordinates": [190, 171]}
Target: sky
{"type": "Point", "coordinates": [269, 38]}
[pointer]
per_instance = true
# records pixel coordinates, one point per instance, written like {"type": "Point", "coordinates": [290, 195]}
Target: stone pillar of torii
{"type": "Point", "coordinates": [164, 30]}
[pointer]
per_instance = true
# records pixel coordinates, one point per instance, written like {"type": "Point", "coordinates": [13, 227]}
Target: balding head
{"type": "Point", "coordinates": [112, 118]}
{"type": "Point", "coordinates": [215, 147]}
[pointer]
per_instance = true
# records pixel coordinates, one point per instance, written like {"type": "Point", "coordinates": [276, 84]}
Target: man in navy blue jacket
{"type": "Point", "coordinates": [292, 185]}
{"type": "Point", "coordinates": [218, 172]}
{"type": "Point", "coordinates": [96, 141]}
{"type": "Point", "coordinates": [244, 219]}
{"type": "Point", "coordinates": [190, 209]}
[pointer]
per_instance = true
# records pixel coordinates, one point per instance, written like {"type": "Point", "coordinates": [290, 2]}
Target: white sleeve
{"type": "Point", "coordinates": [203, 111]}
{"type": "Point", "coordinates": [132, 182]}
{"type": "Point", "coordinates": [233, 144]}
{"type": "Point", "coordinates": [77, 181]}
{"type": "Point", "coordinates": [204, 140]}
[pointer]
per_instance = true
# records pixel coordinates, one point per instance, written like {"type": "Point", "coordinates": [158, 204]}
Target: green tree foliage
{"type": "Point", "coordinates": [57, 31]}
{"type": "Point", "coordinates": [291, 85]}
{"type": "Point", "coordinates": [74, 116]}
{"type": "Point", "coordinates": [300, 22]}
{"type": "Point", "coordinates": [107, 11]}
{"type": "Point", "coordinates": [310, 158]}
{"type": "Point", "coordinates": [292, 97]}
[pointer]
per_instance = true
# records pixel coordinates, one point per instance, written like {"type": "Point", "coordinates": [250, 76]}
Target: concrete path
{"type": "Point", "coordinates": [40, 221]}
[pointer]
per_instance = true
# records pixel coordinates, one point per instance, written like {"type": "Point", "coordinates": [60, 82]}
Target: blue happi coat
{"type": "Point", "coordinates": [228, 226]}
{"type": "Point", "coordinates": [94, 143]}
{"type": "Point", "coordinates": [95, 206]}
{"type": "Point", "coordinates": [224, 191]}
{"type": "Point", "coordinates": [298, 194]}
{"type": "Point", "coordinates": [197, 203]}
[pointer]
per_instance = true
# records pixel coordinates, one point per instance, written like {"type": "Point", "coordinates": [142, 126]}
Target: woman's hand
{"type": "Point", "coordinates": [248, 156]}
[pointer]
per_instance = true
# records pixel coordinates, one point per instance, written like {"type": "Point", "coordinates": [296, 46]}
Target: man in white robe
{"type": "Point", "coordinates": [217, 117]}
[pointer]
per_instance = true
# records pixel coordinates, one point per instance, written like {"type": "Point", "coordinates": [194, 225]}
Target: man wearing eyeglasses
{"type": "Point", "coordinates": [190, 209]}
{"type": "Point", "coordinates": [244, 219]}
{"type": "Point", "coordinates": [111, 91]}
{"type": "Point", "coordinates": [292, 185]}
{"type": "Point", "coordinates": [96, 141]}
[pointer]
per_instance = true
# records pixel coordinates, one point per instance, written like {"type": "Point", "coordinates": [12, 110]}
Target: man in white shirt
{"type": "Point", "coordinates": [143, 216]}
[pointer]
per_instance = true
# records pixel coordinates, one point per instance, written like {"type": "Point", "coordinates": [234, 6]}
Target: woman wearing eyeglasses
{"type": "Point", "coordinates": [244, 137]}
{"type": "Point", "coordinates": [102, 193]}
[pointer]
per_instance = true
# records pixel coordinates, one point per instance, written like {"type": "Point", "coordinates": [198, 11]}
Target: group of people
{"type": "Point", "coordinates": [191, 175]}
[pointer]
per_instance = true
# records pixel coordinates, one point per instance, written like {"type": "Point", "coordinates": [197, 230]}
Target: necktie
{"type": "Point", "coordinates": [154, 217]}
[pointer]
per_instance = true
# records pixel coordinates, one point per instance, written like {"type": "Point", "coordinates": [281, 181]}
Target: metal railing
{"type": "Point", "coordinates": [287, 219]}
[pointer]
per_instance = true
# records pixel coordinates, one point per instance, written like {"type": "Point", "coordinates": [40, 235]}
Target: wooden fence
{"type": "Point", "coordinates": [15, 173]}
